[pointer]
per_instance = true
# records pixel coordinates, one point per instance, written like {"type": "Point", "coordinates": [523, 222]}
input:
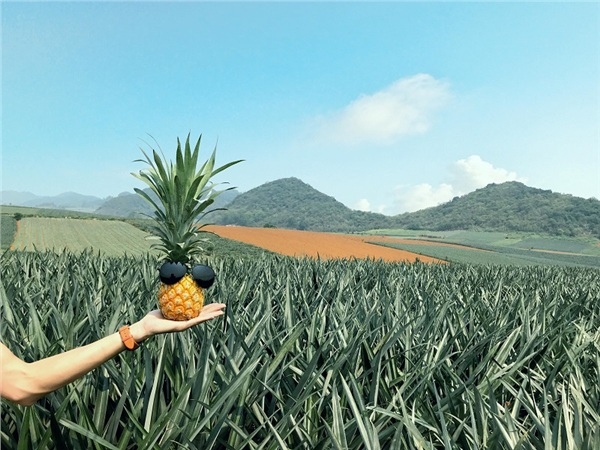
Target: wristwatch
{"type": "Point", "coordinates": [127, 338]}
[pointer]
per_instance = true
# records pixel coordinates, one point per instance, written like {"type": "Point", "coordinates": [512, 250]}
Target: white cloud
{"type": "Point", "coordinates": [362, 205]}
{"type": "Point", "coordinates": [421, 196]}
{"type": "Point", "coordinates": [467, 175]}
{"type": "Point", "coordinates": [403, 108]}
{"type": "Point", "coordinates": [473, 173]}
{"type": "Point", "coordinates": [365, 205]}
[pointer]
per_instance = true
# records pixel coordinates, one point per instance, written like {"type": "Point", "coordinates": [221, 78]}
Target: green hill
{"type": "Point", "coordinates": [291, 203]}
{"type": "Point", "coordinates": [511, 206]}
{"type": "Point", "coordinates": [126, 204]}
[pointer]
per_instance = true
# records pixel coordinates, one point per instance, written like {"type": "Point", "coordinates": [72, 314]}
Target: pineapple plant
{"type": "Point", "coordinates": [184, 193]}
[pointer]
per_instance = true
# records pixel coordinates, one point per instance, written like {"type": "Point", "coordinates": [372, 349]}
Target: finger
{"type": "Point", "coordinates": [206, 314]}
{"type": "Point", "coordinates": [213, 307]}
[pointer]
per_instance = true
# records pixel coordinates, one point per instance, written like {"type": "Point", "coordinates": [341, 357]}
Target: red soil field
{"type": "Point", "coordinates": [316, 244]}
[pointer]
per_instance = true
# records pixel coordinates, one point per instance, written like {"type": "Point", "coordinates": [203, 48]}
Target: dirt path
{"type": "Point", "coordinates": [316, 244]}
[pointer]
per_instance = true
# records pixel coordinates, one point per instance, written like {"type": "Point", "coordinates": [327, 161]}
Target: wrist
{"type": "Point", "coordinates": [138, 332]}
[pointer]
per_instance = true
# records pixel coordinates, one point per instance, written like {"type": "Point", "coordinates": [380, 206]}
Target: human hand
{"type": "Point", "coordinates": [155, 323]}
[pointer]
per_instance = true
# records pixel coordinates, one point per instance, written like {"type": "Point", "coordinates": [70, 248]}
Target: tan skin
{"type": "Point", "coordinates": [24, 383]}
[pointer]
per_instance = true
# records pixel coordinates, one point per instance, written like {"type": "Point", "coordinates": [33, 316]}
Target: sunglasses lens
{"type": "Point", "coordinates": [172, 272]}
{"type": "Point", "coordinates": [203, 275]}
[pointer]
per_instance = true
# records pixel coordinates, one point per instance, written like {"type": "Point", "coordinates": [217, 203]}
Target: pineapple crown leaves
{"type": "Point", "coordinates": [184, 194]}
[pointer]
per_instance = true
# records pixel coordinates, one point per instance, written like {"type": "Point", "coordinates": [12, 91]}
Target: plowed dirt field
{"type": "Point", "coordinates": [316, 244]}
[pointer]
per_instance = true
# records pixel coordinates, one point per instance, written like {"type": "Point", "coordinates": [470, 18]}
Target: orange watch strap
{"type": "Point", "coordinates": [127, 338]}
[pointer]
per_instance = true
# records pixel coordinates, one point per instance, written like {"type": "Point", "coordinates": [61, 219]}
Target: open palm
{"type": "Point", "coordinates": [155, 323]}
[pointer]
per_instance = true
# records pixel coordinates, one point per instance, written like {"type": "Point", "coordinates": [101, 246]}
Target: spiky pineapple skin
{"type": "Point", "coordinates": [182, 300]}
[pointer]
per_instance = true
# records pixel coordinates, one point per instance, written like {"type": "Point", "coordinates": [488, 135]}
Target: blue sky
{"type": "Point", "coordinates": [387, 107]}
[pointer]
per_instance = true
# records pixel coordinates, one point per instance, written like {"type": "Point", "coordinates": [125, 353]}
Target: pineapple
{"type": "Point", "coordinates": [184, 193]}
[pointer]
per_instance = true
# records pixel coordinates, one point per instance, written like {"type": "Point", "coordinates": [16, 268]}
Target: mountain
{"type": "Point", "coordinates": [67, 200]}
{"type": "Point", "coordinates": [16, 198]}
{"type": "Point", "coordinates": [511, 206]}
{"type": "Point", "coordinates": [126, 204]}
{"type": "Point", "coordinates": [131, 205]}
{"type": "Point", "coordinates": [291, 203]}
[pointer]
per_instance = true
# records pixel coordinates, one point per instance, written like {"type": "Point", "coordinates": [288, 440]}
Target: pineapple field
{"type": "Point", "coordinates": [312, 354]}
{"type": "Point", "coordinates": [112, 237]}
{"type": "Point", "coordinates": [330, 342]}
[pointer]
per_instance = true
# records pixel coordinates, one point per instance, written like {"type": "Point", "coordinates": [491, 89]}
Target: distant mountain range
{"type": "Point", "coordinates": [291, 203]}
{"type": "Point", "coordinates": [126, 204]}
{"type": "Point", "coordinates": [510, 206]}
{"type": "Point", "coordinates": [67, 200]}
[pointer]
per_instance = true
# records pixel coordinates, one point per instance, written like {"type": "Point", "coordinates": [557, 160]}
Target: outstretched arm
{"type": "Point", "coordinates": [25, 383]}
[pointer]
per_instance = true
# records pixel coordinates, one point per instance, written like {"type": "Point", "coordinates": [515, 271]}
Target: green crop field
{"type": "Point", "coordinates": [313, 354]}
{"type": "Point", "coordinates": [108, 237]}
{"type": "Point", "coordinates": [516, 249]}
{"type": "Point", "coordinates": [461, 255]}
{"type": "Point", "coordinates": [100, 235]}
{"type": "Point", "coordinates": [8, 228]}
{"type": "Point", "coordinates": [27, 211]}
{"type": "Point", "coordinates": [498, 256]}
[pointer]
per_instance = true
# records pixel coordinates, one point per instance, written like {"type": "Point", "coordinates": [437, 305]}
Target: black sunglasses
{"type": "Point", "coordinates": [172, 272]}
